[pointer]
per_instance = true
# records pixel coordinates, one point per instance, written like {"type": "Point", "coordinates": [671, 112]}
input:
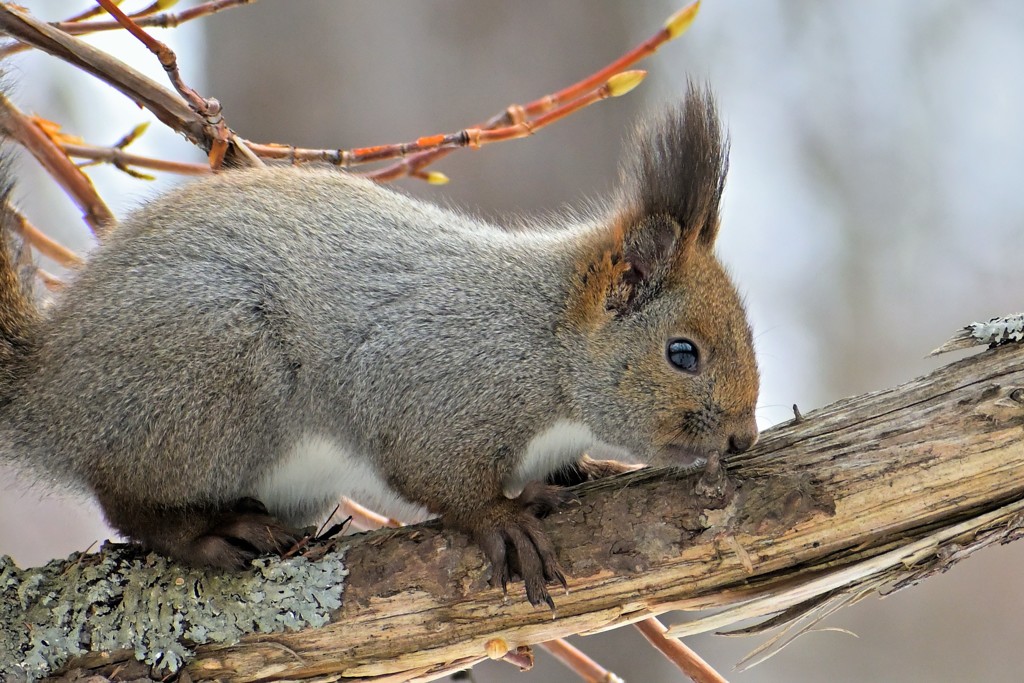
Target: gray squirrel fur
{"type": "Point", "coordinates": [245, 349]}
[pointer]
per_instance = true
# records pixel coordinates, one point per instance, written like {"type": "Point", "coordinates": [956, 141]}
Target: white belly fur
{"type": "Point", "coordinates": [318, 472]}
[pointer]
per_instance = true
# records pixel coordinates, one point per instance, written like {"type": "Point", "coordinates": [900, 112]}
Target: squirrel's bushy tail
{"type": "Point", "coordinates": [19, 316]}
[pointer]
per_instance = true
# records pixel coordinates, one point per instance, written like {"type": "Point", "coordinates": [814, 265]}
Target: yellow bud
{"type": "Point", "coordinates": [437, 178]}
{"type": "Point", "coordinates": [681, 20]}
{"type": "Point", "coordinates": [622, 83]}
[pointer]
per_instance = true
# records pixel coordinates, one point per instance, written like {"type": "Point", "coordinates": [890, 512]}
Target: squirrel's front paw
{"type": "Point", "coordinates": [588, 469]}
{"type": "Point", "coordinates": [510, 534]}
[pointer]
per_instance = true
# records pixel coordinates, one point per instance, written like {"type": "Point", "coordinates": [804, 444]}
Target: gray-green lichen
{"type": "Point", "coordinates": [999, 330]}
{"type": "Point", "coordinates": [121, 599]}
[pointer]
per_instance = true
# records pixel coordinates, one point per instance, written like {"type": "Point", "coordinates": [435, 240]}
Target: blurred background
{"type": "Point", "coordinates": [875, 204]}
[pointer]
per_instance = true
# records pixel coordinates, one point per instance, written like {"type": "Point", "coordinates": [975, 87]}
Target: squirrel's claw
{"type": "Point", "coordinates": [510, 535]}
{"type": "Point", "coordinates": [493, 545]}
{"type": "Point", "coordinates": [532, 558]}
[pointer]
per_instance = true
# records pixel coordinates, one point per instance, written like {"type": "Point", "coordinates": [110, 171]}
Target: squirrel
{"type": "Point", "coordinates": [246, 349]}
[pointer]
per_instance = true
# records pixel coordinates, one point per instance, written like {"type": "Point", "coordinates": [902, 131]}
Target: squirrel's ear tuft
{"type": "Point", "coordinates": [677, 171]}
{"type": "Point", "coordinates": [667, 205]}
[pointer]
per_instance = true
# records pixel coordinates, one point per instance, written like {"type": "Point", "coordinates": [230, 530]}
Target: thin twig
{"type": "Point", "coordinates": [44, 244]}
{"type": "Point", "coordinates": [574, 658]}
{"type": "Point", "coordinates": [204, 124]}
{"type": "Point", "coordinates": [162, 20]}
{"type": "Point", "coordinates": [208, 108]}
{"type": "Point", "coordinates": [97, 10]}
{"type": "Point", "coordinates": [673, 27]}
{"type": "Point", "coordinates": [168, 107]}
{"type": "Point", "coordinates": [89, 13]}
{"type": "Point", "coordinates": [122, 159]}
{"type": "Point", "coordinates": [365, 518]}
{"type": "Point", "coordinates": [50, 281]}
{"type": "Point", "coordinates": [76, 26]}
{"type": "Point", "coordinates": [679, 654]}
{"type": "Point", "coordinates": [52, 158]}
{"type": "Point", "coordinates": [617, 85]}
{"type": "Point", "coordinates": [514, 114]}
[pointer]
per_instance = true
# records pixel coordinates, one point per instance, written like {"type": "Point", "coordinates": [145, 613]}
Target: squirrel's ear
{"type": "Point", "coordinates": [672, 183]}
{"type": "Point", "coordinates": [667, 205]}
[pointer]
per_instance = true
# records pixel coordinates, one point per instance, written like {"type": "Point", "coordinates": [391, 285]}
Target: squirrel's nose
{"type": "Point", "coordinates": [743, 440]}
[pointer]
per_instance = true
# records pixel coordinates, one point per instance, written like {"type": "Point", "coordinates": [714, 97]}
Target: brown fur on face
{"type": "Point", "coordinates": [654, 278]}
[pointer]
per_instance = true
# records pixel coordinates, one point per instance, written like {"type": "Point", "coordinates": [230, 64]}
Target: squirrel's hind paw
{"type": "Point", "coordinates": [206, 536]}
{"type": "Point", "coordinates": [237, 537]}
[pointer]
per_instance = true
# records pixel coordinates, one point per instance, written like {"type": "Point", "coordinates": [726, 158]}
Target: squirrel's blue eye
{"type": "Point", "coordinates": [682, 353]}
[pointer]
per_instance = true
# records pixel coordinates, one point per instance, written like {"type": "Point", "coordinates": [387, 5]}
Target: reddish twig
{"type": "Point", "coordinates": [124, 160]}
{"type": "Point", "coordinates": [587, 669]}
{"type": "Point", "coordinates": [50, 281]}
{"type": "Point", "coordinates": [147, 18]}
{"type": "Point", "coordinates": [674, 27]}
{"type": "Point", "coordinates": [208, 108]}
{"type": "Point", "coordinates": [44, 244]}
{"type": "Point", "coordinates": [93, 11]}
{"type": "Point", "coordinates": [97, 10]}
{"type": "Point", "coordinates": [165, 105]}
{"type": "Point", "coordinates": [52, 158]}
{"type": "Point", "coordinates": [168, 60]}
{"type": "Point", "coordinates": [679, 654]}
{"type": "Point", "coordinates": [76, 26]}
{"type": "Point", "coordinates": [365, 518]}
{"type": "Point", "coordinates": [216, 136]}
{"type": "Point", "coordinates": [617, 85]}
{"type": "Point", "coordinates": [116, 156]}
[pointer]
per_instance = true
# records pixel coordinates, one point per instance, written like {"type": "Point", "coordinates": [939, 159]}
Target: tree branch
{"type": "Point", "coordinates": [78, 26]}
{"type": "Point", "coordinates": [870, 494]}
{"type": "Point", "coordinates": [201, 121]}
{"type": "Point", "coordinates": [50, 156]}
{"type": "Point", "coordinates": [170, 109]}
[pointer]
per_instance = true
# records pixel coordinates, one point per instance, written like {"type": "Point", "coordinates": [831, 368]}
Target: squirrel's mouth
{"type": "Point", "coordinates": [684, 456]}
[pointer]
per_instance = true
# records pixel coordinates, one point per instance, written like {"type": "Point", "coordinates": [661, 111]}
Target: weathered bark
{"type": "Point", "coordinates": [871, 493]}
